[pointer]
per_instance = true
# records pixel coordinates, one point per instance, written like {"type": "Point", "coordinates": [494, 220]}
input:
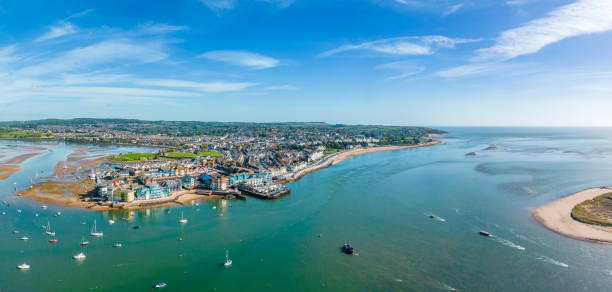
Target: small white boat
{"type": "Point", "coordinates": [83, 241]}
{"type": "Point", "coordinates": [19, 211]}
{"type": "Point", "coordinates": [36, 215]}
{"type": "Point", "coordinates": [43, 206]}
{"type": "Point", "coordinates": [15, 231]}
{"type": "Point", "coordinates": [48, 229]}
{"type": "Point", "coordinates": [24, 266]}
{"type": "Point", "coordinates": [80, 256]}
{"type": "Point", "coordinates": [111, 221]}
{"type": "Point", "coordinates": [160, 285]}
{"type": "Point", "coordinates": [117, 245]}
{"type": "Point", "coordinates": [25, 238]}
{"type": "Point", "coordinates": [3, 213]}
{"type": "Point", "coordinates": [214, 207]}
{"type": "Point", "coordinates": [227, 262]}
{"type": "Point", "coordinates": [94, 232]}
{"type": "Point", "coordinates": [182, 220]}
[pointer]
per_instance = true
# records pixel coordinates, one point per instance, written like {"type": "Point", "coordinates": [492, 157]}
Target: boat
{"type": "Point", "coordinates": [3, 213]}
{"type": "Point", "coordinates": [25, 238]}
{"type": "Point", "coordinates": [48, 229]}
{"type": "Point", "coordinates": [227, 262]}
{"type": "Point", "coordinates": [94, 232]}
{"type": "Point", "coordinates": [53, 240]}
{"type": "Point", "coordinates": [214, 207]}
{"type": "Point", "coordinates": [80, 256]}
{"type": "Point", "coordinates": [83, 241]}
{"type": "Point", "coordinates": [117, 245]}
{"type": "Point", "coordinates": [19, 211]}
{"type": "Point", "coordinates": [160, 285]}
{"type": "Point", "coordinates": [348, 249]}
{"type": "Point", "coordinates": [43, 206]}
{"type": "Point", "coordinates": [136, 227]}
{"type": "Point", "coordinates": [15, 231]}
{"type": "Point", "coordinates": [111, 221]}
{"type": "Point", "coordinates": [183, 220]}
{"type": "Point", "coordinates": [484, 233]}
{"type": "Point", "coordinates": [24, 266]}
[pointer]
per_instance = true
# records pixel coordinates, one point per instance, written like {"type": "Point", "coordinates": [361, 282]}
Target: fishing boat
{"type": "Point", "coordinates": [94, 232]}
{"type": "Point", "coordinates": [79, 257]}
{"type": "Point", "coordinates": [24, 266]}
{"type": "Point", "coordinates": [227, 262]}
{"type": "Point", "coordinates": [182, 220]}
{"type": "Point", "coordinates": [117, 245]}
{"type": "Point", "coordinates": [83, 241]}
{"type": "Point", "coordinates": [348, 249]}
{"type": "Point", "coordinates": [160, 285]}
{"type": "Point", "coordinates": [484, 233]}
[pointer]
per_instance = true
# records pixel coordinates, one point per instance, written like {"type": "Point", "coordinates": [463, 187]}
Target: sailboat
{"type": "Point", "coordinates": [48, 229]}
{"type": "Point", "coordinates": [183, 220]}
{"type": "Point", "coordinates": [83, 241]}
{"type": "Point", "coordinates": [227, 262]}
{"type": "Point", "coordinates": [53, 240]}
{"type": "Point", "coordinates": [94, 232]}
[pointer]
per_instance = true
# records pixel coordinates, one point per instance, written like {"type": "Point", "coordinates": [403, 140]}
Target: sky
{"type": "Point", "coordinates": [392, 62]}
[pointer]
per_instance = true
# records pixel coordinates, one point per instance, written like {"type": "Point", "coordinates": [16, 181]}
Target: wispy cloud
{"type": "Point", "coordinates": [7, 54]}
{"type": "Point", "coordinates": [479, 69]}
{"type": "Point", "coordinates": [80, 14]}
{"type": "Point", "coordinates": [158, 28]}
{"type": "Point", "coordinates": [215, 86]}
{"type": "Point", "coordinates": [452, 9]}
{"type": "Point", "coordinates": [242, 58]}
{"type": "Point", "coordinates": [281, 87]}
{"type": "Point", "coordinates": [411, 45]}
{"type": "Point", "coordinates": [217, 5]}
{"type": "Point", "coordinates": [59, 30]}
{"type": "Point", "coordinates": [404, 69]}
{"type": "Point", "coordinates": [102, 53]}
{"type": "Point", "coordinates": [579, 18]}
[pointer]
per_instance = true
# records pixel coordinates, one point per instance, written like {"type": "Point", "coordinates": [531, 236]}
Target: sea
{"type": "Point", "coordinates": [380, 203]}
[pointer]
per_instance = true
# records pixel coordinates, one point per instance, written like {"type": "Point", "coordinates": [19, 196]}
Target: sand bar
{"type": "Point", "coordinates": [7, 170]}
{"type": "Point", "coordinates": [556, 216]}
{"type": "Point", "coordinates": [19, 159]}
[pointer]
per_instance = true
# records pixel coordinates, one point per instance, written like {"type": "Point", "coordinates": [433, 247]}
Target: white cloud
{"type": "Point", "coordinates": [412, 45]}
{"type": "Point", "coordinates": [242, 58]}
{"type": "Point", "coordinates": [504, 68]}
{"type": "Point", "coordinates": [102, 53]}
{"type": "Point", "coordinates": [7, 54]}
{"type": "Point", "coordinates": [579, 18]}
{"type": "Point", "coordinates": [281, 87]}
{"type": "Point", "coordinates": [404, 69]}
{"type": "Point", "coordinates": [219, 4]}
{"type": "Point", "coordinates": [452, 9]}
{"type": "Point", "coordinates": [61, 29]}
{"type": "Point", "coordinates": [158, 28]}
{"type": "Point", "coordinates": [215, 86]}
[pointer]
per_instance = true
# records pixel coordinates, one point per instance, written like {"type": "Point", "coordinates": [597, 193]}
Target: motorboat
{"type": "Point", "coordinates": [484, 233]}
{"type": "Point", "coordinates": [80, 256]}
{"type": "Point", "coordinates": [160, 285]}
{"type": "Point", "coordinates": [111, 221]}
{"type": "Point", "coordinates": [117, 245]}
{"type": "Point", "coordinates": [348, 249]}
{"type": "Point", "coordinates": [24, 266]}
{"type": "Point", "coordinates": [25, 238]}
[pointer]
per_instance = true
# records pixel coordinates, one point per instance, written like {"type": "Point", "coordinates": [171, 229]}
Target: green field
{"type": "Point", "coordinates": [210, 154]}
{"type": "Point", "coordinates": [331, 151]}
{"type": "Point", "coordinates": [133, 157]}
{"type": "Point", "coordinates": [180, 155]}
{"type": "Point", "coordinates": [17, 134]}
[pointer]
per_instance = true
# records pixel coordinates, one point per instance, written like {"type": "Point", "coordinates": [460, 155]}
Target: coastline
{"type": "Point", "coordinates": [556, 216]}
{"type": "Point", "coordinates": [344, 155]}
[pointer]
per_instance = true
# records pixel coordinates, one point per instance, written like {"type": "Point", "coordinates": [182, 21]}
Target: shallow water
{"type": "Point", "coordinates": [378, 202]}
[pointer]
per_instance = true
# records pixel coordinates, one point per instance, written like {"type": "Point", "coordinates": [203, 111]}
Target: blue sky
{"type": "Point", "coordinates": [402, 62]}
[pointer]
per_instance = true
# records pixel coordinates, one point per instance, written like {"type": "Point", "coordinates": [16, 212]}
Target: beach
{"type": "Point", "coordinates": [344, 155]}
{"type": "Point", "coordinates": [556, 216]}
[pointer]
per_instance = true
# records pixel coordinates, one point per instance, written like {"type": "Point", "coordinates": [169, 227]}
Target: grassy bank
{"type": "Point", "coordinates": [597, 211]}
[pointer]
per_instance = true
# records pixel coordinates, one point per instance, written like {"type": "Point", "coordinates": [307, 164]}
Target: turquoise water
{"type": "Point", "coordinates": [378, 202]}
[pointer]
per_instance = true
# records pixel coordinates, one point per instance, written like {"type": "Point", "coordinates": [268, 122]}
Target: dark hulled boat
{"type": "Point", "coordinates": [348, 249]}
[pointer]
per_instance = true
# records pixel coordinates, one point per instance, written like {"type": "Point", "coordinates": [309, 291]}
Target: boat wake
{"type": "Point", "coordinates": [552, 261]}
{"type": "Point", "coordinates": [508, 243]}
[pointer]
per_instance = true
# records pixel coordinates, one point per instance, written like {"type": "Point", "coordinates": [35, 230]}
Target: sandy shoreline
{"type": "Point", "coordinates": [556, 216]}
{"type": "Point", "coordinates": [7, 170]}
{"type": "Point", "coordinates": [344, 155]}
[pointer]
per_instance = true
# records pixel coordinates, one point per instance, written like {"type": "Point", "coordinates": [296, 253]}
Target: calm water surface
{"type": "Point", "coordinates": [378, 202]}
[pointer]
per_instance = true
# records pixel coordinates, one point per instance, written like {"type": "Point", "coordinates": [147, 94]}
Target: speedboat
{"type": "Point", "coordinates": [160, 285]}
{"type": "Point", "coordinates": [348, 249]}
{"type": "Point", "coordinates": [117, 244]}
{"type": "Point", "coordinates": [484, 233]}
{"type": "Point", "coordinates": [24, 266]}
{"type": "Point", "coordinates": [80, 256]}
{"type": "Point", "coordinates": [227, 262]}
